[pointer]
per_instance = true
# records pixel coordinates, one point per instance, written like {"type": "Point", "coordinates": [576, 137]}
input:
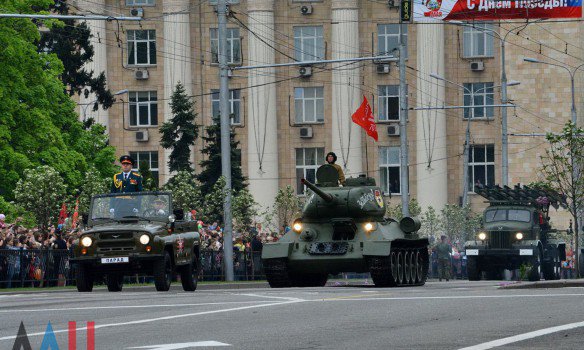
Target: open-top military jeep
{"type": "Point", "coordinates": [136, 233]}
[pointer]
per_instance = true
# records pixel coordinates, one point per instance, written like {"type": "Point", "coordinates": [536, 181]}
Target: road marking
{"type": "Point", "coordinates": [524, 336]}
{"type": "Point", "coordinates": [269, 296]}
{"type": "Point", "coordinates": [457, 297]}
{"type": "Point", "coordinates": [135, 306]}
{"type": "Point", "coordinates": [149, 320]}
{"type": "Point", "coordinates": [178, 346]}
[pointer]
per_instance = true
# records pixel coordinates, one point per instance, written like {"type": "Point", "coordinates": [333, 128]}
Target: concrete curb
{"type": "Point", "coordinates": [543, 284]}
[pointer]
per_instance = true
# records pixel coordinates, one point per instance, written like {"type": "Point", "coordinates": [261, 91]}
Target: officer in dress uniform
{"type": "Point", "coordinates": [127, 180]}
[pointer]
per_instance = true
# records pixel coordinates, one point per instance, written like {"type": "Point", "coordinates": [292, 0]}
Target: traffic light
{"type": "Point", "coordinates": [405, 11]}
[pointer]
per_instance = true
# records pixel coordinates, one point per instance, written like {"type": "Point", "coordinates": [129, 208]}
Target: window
{"type": "Point", "coordinates": [141, 47]}
{"type": "Point", "coordinates": [389, 169]}
{"type": "Point", "coordinates": [143, 108]}
{"type": "Point", "coordinates": [478, 94]}
{"type": "Point", "coordinates": [309, 105]}
{"type": "Point", "coordinates": [388, 102]}
{"type": "Point", "coordinates": [307, 161]}
{"type": "Point", "coordinates": [234, 105]}
{"type": "Point", "coordinates": [481, 166]}
{"type": "Point", "coordinates": [308, 43]}
{"type": "Point", "coordinates": [388, 39]}
{"type": "Point", "coordinates": [150, 159]}
{"type": "Point", "coordinates": [233, 46]}
{"type": "Point", "coordinates": [140, 3]}
{"type": "Point", "coordinates": [478, 40]}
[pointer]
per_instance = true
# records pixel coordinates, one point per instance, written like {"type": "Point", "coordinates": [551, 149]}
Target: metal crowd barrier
{"type": "Point", "coordinates": [51, 267]}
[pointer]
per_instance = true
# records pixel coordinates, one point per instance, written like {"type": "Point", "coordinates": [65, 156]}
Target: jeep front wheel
{"type": "Point", "coordinates": [84, 278]}
{"type": "Point", "coordinates": [189, 275]}
{"type": "Point", "coordinates": [114, 282]}
{"type": "Point", "coordinates": [472, 269]}
{"type": "Point", "coordinates": [163, 273]}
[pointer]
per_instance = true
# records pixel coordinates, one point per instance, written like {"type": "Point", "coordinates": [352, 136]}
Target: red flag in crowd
{"type": "Point", "coordinates": [62, 214]}
{"type": "Point", "coordinates": [364, 118]}
{"type": "Point", "coordinates": [75, 214]}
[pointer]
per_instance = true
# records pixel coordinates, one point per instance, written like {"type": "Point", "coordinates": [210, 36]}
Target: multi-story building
{"type": "Point", "coordinates": [288, 118]}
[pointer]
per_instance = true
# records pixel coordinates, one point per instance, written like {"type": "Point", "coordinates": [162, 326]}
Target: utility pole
{"type": "Point", "coordinates": [403, 104]}
{"type": "Point", "coordinates": [504, 136]}
{"type": "Point", "coordinates": [225, 138]}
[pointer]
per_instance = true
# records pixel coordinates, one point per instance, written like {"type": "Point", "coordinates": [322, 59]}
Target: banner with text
{"type": "Point", "coordinates": [490, 10]}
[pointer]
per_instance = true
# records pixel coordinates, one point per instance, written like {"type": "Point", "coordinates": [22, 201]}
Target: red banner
{"type": "Point", "coordinates": [364, 118]}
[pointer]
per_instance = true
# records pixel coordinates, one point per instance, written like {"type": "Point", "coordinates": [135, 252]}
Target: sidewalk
{"type": "Point", "coordinates": [542, 284]}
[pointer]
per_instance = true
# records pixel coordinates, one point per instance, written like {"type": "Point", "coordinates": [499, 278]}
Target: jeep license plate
{"type": "Point", "coordinates": [525, 252]}
{"type": "Point", "coordinates": [115, 260]}
{"type": "Point", "coordinates": [472, 252]}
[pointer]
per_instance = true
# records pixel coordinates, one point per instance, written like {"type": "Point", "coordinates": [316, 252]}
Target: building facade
{"type": "Point", "coordinates": [286, 119]}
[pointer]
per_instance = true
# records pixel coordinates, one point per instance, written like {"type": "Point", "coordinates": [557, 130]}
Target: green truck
{"type": "Point", "coordinates": [136, 233]}
{"type": "Point", "coordinates": [516, 234]}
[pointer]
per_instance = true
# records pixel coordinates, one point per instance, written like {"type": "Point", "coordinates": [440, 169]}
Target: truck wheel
{"type": "Point", "coordinates": [189, 275]}
{"type": "Point", "coordinates": [472, 269]}
{"type": "Point", "coordinates": [84, 278]}
{"type": "Point", "coordinates": [551, 269]}
{"type": "Point", "coordinates": [163, 273]}
{"type": "Point", "coordinates": [114, 282]}
{"type": "Point", "coordinates": [535, 272]}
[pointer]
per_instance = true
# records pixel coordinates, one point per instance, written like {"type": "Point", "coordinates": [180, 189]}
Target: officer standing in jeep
{"type": "Point", "coordinates": [127, 180]}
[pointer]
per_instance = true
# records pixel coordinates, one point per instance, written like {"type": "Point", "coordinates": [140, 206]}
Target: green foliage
{"type": "Point", "coordinates": [287, 207]}
{"type": "Point", "coordinates": [149, 183]}
{"type": "Point", "coordinates": [213, 209]}
{"type": "Point", "coordinates": [70, 41]}
{"type": "Point", "coordinates": [41, 192]}
{"type": "Point", "coordinates": [396, 212]}
{"type": "Point", "coordinates": [13, 211]}
{"type": "Point", "coordinates": [524, 270]}
{"type": "Point", "coordinates": [211, 167]}
{"type": "Point", "coordinates": [459, 223]}
{"type": "Point", "coordinates": [38, 123]}
{"type": "Point", "coordinates": [185, 191]}
{"type": "Point", "coordinates": [430, 224]}
{"type": "Point", "coordinates": [93, 184]}
{"type": "Point", "coordinates": [244, 209]}
{"type": "Point", "coordinates": [180, 132]}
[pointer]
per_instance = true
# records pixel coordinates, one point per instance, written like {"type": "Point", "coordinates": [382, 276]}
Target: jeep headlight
{"type": "Point", "coordinates": [144, 239]}
{"type": "Point", "coordinates": [297, 226]}
{"type": "Point", "coordinates": [482, 236]}
{"type": "Point", "coordinates": [86, 241]}
{"type": "Point", "coordinates": [519, 236]}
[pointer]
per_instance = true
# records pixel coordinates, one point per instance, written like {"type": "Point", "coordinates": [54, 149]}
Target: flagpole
{"type": "Point", "coordinates": [366, 158]}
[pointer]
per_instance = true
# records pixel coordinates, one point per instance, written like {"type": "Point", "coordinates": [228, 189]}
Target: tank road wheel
{"type": "Point", "coordinates": [407, 267]}
{"type": "Point", "coordinates": [84, 278]}
{"type": "Point", "coordinates": [418, 266]}
{"type": "Point", "coordinates": [472, 269]}
{"type": "Point", "coordinates": [114, 282]}
{"type": "Point", "coordinates": [412, 267]}
{"type": "Point", "coordinates": [276, 271]}
{"type": "Point", "coordinates": [400, 267]}
{"type": "Point", "coordinates": [535, 272]}
{"type": "Point", "coordinates": [163, 273]}
{"type": "Point", "coordinates": [394, 263]}
{"type": "Point", "coordinates": [189, 275]}
{"type": "Point", "coordinates": [381, 269]}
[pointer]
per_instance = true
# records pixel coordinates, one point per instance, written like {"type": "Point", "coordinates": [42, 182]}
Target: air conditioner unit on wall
{"type": "Point", "coordinates": [141, 74]}
{"type": "Point", "coordinates": [305, 72]}
{"type": "Point", "coordinates": [137, 12]}
{"type": "Point", "coordinates": [383, 68]}
{"type": "Point", "coordinates": [393, 130]}
{"type": "Point", "coordinates": [142, 136]}
{"type": "Point", "coordinates": [477, 66]}
{"type": "Point", "coordinates": [306, 9]}
{"type": "Point", "coordinates": [306, 132]}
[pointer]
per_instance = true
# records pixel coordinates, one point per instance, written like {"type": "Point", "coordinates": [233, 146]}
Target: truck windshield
{"type": "Point", "coordinates": [507, 214]}
{"type": "Point", "coordinates": [141, 206]}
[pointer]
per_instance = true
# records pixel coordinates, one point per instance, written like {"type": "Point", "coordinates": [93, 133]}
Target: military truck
{"type": "Point", "coordinates": [515, 232]}
{"type": "Point", "coordinates": [136, 233]}
{"type": "Point", "coordinates": [344, 229]}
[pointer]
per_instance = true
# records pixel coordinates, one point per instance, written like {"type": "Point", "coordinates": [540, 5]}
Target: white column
{"type": "Point", "coordinates": [177, 58]}
{"type": "Point", "coordinates": [98, 64]}
{"type": "Point", "coordinates": [431, 168]}
{"type": "Point", "coordinates": [261, 123]}
{"type": "Point", "coordinates": [346, 96]}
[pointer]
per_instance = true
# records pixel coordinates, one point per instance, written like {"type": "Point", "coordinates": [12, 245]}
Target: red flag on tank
{"type": "Point", "coordinates": [364, 118]}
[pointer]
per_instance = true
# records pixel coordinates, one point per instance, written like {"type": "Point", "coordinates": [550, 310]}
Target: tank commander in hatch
{"type": "Point", "coordinates": [331, 158]}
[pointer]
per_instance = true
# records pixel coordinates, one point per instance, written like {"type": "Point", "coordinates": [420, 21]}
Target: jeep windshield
{"type": "Point", "coordinates": [138, 206]}
{"type": "Point", "coordinates": [507, 215]}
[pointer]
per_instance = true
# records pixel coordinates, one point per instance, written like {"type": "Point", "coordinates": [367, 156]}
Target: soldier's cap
{"type": "Point", "coordinates": [159, 200]}
{"type": "Point", "coordinates": [126, 159]}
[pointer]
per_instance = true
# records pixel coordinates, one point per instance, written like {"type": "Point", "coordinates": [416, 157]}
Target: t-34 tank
{"type": "Point", "coordinates": [344, 229]}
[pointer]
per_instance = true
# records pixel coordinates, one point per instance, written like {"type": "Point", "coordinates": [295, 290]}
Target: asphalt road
{"type": "Point", "coordinates": [439, 315]}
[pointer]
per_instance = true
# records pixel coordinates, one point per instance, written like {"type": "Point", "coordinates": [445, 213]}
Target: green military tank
{"type": "Point", "coordinates": [344, 229]}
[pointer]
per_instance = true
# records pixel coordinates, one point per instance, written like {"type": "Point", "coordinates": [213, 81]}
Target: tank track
{"type": "Point", "coordinates": [404, 267]}
{"type": "Point", "coordinates": [277, 274]}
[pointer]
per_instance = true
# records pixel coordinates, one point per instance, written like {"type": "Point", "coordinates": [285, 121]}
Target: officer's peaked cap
{"type": "Point", "coordinates": [126, 159]}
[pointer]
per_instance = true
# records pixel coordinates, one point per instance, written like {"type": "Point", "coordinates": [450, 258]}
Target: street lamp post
{"type": "Point", "coordinates": [467, 137]}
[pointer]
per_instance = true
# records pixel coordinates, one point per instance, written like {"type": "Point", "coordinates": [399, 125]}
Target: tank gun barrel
{"type": "Point", "coordinates": [325, 196]}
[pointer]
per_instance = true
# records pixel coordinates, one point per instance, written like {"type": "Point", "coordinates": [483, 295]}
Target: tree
{"type": "Point", "coordinates": [459, 223]}
{"type": "Point", "coordinates": [287, 206]}
{"type": "Point", "coordinates": [430, 224]}
{"type": "Point", "coordinates": [213, 209]}
{"type": "Point", "coordinates": [396, 212]}
{"type": "Point", "coordinates": [93, 184]}
{"type": "Point", "coordinates": [180, 132]}
{"type": "Point", "coordinates": [41, 192]}
{"type": "Point", "coordinates": [71, 42]}
{"type": "Point", "coordinates": [244, 209]}
{"type": "Point", "coordinates": [211, 167]}
{"type": "Point", "coordinates": [562, 168]}
{"type": "Point", "coordinates": [149, 183]}
{"type": "Point", "coordinates": [185, 191]}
